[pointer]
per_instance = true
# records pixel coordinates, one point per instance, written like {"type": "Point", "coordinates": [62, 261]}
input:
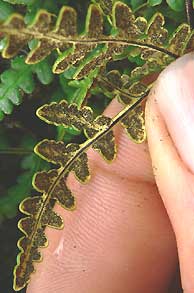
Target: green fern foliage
{"type": "Point", "coordinates": [16, 193]}
{"type": "Point", "coordinates": [29, 164]}
{"type": "Point", "coordinates": [177, 5]}
{"type": "Point", "coordinates": [23, 2]}
{"type": "Point", "coordinates": [5, 10]}
{"type": "Point", "coordinates": [18, 80]}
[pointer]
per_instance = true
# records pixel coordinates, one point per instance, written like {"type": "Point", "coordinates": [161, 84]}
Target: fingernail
{"type": "Point", "coordinates": [175, 98]}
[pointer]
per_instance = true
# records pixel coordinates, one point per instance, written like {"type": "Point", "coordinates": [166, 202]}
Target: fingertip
{"type": "Point", "coordinates": [175, 102]}
{"type": "Point", "coordinates": [170, 125]}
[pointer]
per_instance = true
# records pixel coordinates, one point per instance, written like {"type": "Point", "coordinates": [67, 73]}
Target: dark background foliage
{"type": "Point", "coordinates": [21, 129]}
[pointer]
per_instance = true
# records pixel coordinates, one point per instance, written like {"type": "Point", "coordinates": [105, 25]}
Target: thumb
{"type": "Point", "coordinates": [170, 128]}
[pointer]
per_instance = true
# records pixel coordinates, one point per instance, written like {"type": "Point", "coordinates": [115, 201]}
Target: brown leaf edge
{"type": "Point", "coordinates": [150, 37]}
{"type": "Point", "coordinates": [37, 207]}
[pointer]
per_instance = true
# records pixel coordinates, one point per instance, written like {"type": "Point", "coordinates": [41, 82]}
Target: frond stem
{"type": "Point", "coordinates": [84, 147]}
{"type": "Point", "coordinates": [91, 141]}
{"type": "Point", "coordinates": [144, 5]}
{"type": "Point", "coordinates": [190, 12]}
{"type": "Point", "coordinates": [54, 38]}
{"type": "Point", "coordinates": [115, 87]}
{"type": "Point", "coordinates": [16, 151]}
{"type": "Point", "coordinates": [98, 136]}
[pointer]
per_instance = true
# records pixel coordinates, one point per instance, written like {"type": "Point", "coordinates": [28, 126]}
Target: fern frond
{"type": "Point", "coordinates": [106, 5]}
{"type": "Point", "coordinates": [13, 81]}
{"type": "Point", "coordinates": [71, 158]}
{"type": "Point", "coordinates": [88, 52]}
{"type": "Point", "coordinates": [124, 88]}
{"type": "Point", "coordinates": [19, 79]}
{"type": "Point", "coordinates": [80, 119]}
{"type": "Point", "coordinates": [5, 10]}
{"type": "Point", "coordinates": [117, 86]}
{"type": "Point", "coordinates": [93, 48]}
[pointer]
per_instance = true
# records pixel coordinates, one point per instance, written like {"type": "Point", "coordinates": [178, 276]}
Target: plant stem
{"type": "Point", "coordinates": [65, 170]}
{"type": "Point", "coordinates": [59, 40]}
{"type": "Point", "coordinates": [140, 7]}
{"type": "Point", "coordinates": [16, 151]}
{"type": "Point", "coordinates": [190, 12]}
{"type": "Point", "coordinates": [91, 141]}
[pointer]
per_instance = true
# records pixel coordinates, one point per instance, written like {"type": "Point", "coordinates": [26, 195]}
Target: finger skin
{"type": "Point", "coordinates": [119, 239]}
{"type": "Point", "coordinates": [170, 127]}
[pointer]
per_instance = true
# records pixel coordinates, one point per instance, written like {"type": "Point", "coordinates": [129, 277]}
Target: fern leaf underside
{"type": "Point", "coordinates": [151, 37]}
{"type": "Point", "coordinates": [87, 51]}
{"type": "Point", "coordinates": [71, 158]}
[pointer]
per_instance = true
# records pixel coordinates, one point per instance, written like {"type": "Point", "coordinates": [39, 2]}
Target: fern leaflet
{"type": "Point", "coordinates": [93, 48]}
